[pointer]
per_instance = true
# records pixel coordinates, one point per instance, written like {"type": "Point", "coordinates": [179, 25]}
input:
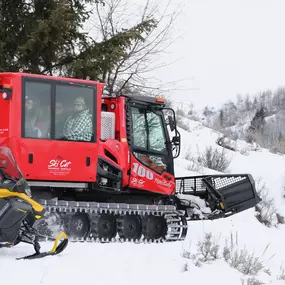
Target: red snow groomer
{"type": "Point", "coordinates": [102, 166]}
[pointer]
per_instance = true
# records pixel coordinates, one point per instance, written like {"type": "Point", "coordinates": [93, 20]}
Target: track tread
{"type": "Point", "coordinates": [175, 220]}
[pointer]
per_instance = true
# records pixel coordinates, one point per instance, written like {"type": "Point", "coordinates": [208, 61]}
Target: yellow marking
{"type": "Point", "coordinates": [38, 216]}
{"type": "Point", "coordinates": [21, 210]}
{"type": "Point", "coordinates": [123, 140]}
{"type": "Point", "coordinates": [222, 205]}
{"type": "Point", "coordinates": [5, 193]}
{"type": "Point", "coordinates": [62, 234]}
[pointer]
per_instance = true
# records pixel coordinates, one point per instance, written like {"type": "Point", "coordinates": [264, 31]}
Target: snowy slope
{"type": "Point", "coordinates": [267, 167]}
{"type": "Point", "coordinates": [147, 264]}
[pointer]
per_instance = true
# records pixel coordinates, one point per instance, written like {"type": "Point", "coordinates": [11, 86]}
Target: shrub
{"type": "Point", "coordinates": [193, 165]}
{"type": "Point", "coordinates": [181, 124]}
{"type": "Point", "coordinates": [282, 274]}
{"type": "Point", "coordinates": [180, 112]}
{"type": "Point", "coordinates": [266, 212]}
{"type": "Point", "coordinates": [240, 259]}
{"type": "Point", "coordinates": [215, 159]}
{"type": "Point", "coordinates": [251, 281]}
{"type": "Point", "coordinates": [278, 147]}
{"type": "Point", "coordinates": [208, 248]}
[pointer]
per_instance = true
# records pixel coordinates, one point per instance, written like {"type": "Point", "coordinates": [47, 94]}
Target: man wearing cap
{"type": "Point", "coordinates": [78, 126]}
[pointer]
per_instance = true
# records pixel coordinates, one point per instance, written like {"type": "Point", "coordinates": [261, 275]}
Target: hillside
{"type": "Point", "coordinates": [181, 262]}
{"type": "Point", "coordinates": [258, 118]}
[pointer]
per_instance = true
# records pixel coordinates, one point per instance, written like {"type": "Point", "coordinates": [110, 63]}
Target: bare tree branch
{"type": "Point", "coordinates": [142, 56]}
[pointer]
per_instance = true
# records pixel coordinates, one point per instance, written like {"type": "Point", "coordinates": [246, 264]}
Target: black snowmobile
{"type": "Point", "coordinates": [19, 212]}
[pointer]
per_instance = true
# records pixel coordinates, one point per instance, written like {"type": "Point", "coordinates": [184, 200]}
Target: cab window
{"type": "Point", "coordinates": [148, 131]}
{"type": "Point", "coordinates": [37, 114]}
{"type": "Point", "coordinates": [148, 139]}
{"type": "Point", "coordinates": [74, 111]}
{"type": "Point", "coordinates": [58, 111]}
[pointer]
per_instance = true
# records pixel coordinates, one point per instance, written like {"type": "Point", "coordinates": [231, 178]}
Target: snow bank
{"type": "Point", "coordinates": [153, 264]}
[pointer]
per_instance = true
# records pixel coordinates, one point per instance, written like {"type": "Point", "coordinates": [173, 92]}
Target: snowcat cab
{"type": "Point", "coordinates": [103, 166]}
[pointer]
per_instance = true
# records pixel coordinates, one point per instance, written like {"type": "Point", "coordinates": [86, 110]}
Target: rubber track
{"type": "Point", "coordinates": [176, 222]}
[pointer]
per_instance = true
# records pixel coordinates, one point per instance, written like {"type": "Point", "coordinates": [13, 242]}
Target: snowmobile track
{"type": "Point", "coordinates": [171, 223]}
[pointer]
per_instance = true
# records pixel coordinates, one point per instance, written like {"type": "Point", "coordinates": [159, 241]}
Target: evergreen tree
{"type": "Point", "coordinates": [221, 118]}
{"type": "Point", "coordinates": [46, 37]}
{"type": "Point", "coordinates": [258, 121]}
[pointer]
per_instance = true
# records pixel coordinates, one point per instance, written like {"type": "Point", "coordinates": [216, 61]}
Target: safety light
{"type": "Point", "coordinates": [159, 100]}
{"type": "Point", "coordinates": [6, 90]}
{"type": "Point", "coordinates": [7, 86]}
{"type": "Point", "coordinates": [5, 95]}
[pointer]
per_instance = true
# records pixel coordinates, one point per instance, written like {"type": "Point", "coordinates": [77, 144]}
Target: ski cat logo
{"type": "Point", "coordinates": [138, 182]}
{"type": "Point", "coordinates": [59, 166]}
{"type": "Point", "coordinates": [3, 131]}
{"type": "Point", "coordinates": [162, 182]}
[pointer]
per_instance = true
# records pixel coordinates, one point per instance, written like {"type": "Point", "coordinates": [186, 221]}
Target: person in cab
{"type": "Point", "coordinates": [78, 126]}
{"type": "Point", "coordinates": [32, 117]}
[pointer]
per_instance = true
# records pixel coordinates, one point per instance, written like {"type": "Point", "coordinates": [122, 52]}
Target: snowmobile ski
{"type": "Point", "coordinates": [54, 251]}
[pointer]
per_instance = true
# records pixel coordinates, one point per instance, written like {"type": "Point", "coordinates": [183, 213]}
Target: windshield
{"type": "Point", "coordinates": [148, 131]}
{"type": "Point", "coordinates": [10, 175]}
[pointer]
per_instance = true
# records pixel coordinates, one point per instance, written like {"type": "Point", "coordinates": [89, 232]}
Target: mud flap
{"type": "Point", "coordinates": [224, 194]}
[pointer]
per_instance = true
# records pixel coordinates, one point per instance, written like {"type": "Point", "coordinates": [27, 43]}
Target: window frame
{"type": "Point", "coordinates": [53, 83]}
{"type": "Point", "coordinates": [166, 155]}
{"type": "Point", "coordinates": [148, 147]}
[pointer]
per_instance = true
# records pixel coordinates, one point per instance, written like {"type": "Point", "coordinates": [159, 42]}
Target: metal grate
{"type": "Point", "coordinates": [189, 185]}
{"type": "Point", "coordinates": [107, 125]}
{"type": "Point", "coordinates": [194, 184]}
{"type": "Point", "coordinates": [221, 182]}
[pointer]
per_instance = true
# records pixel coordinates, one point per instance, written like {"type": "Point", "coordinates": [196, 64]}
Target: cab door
{"type": "Point", "coordinates": [151, 160]}
{"type": "Point", "coordinates": [59, 134]}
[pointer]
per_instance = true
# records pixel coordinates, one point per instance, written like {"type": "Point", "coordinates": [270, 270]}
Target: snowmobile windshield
{"type": "Point", "coordinates": [10, 175]}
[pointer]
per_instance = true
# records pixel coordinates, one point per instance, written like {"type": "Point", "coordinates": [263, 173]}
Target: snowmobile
{"type": "Point", "coordinates": [18, 211]}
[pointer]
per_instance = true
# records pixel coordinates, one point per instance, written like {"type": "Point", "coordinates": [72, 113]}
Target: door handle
{"type": "Point", "coordinates": [167, 177]}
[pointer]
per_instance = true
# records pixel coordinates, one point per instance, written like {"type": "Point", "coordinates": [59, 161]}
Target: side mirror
{"type": "Point", "coordinates": [176, 140]}
{"type": "Point", "coordinates": [171, 123]}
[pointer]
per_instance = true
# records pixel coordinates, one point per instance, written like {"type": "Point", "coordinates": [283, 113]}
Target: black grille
{"type": "Point", "coordinates": [194, 184]}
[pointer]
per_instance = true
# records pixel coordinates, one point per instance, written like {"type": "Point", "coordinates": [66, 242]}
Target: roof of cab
{"type": "Point", "coordinates": [49, 77]}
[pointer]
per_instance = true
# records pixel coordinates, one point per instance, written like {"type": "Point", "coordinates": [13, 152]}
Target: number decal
{"type": "Point", "coordinates": [136, 165]}
{"type": "Point", "coordinates": [149, 175]}
{"type": "Point", "coordinates": [142, 171]}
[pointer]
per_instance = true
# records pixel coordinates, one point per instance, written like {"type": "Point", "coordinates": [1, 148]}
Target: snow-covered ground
{"type": "Point", "coordinates": [147, 264]}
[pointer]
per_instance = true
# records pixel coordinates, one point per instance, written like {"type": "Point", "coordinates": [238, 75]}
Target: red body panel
{"type": "Point", "coordinates": [144, 178]}
{"type": "Point", "coordinates": [59, 161]}
{"type": "Point", "coordinates": [119, 147]}
{"type": "Point", "coordinates": [55, 160]}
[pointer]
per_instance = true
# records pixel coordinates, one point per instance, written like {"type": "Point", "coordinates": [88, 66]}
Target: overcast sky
{"type": "Point", "coordinates": [228, 47]}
